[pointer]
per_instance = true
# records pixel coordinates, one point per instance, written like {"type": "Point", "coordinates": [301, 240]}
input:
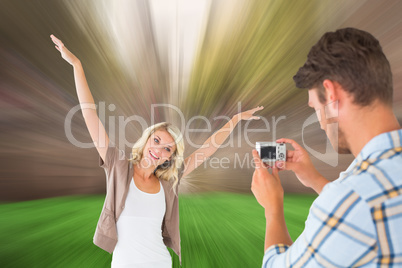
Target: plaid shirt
{"type": "Point", "coordinates": [357, 219]}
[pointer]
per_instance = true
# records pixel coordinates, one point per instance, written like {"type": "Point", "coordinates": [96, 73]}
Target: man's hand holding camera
{"type": "Point", "coordinates": [268, 191]}
{"type": "Point", "coordinates": [300, 163]}
{"type": "Point", "coordinates": [273, 154]}
{"type": "Point", "coordinates": [266, 187]}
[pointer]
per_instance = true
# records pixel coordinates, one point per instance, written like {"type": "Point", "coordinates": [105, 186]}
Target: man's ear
{"type": "Point", "coordinates": [333, 95]}
{"type": "Point", "coordinates": [330, 90]}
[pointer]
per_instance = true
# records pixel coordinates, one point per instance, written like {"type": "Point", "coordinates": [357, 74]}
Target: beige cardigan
{"type": "Point", "coordinates": [119, 173]}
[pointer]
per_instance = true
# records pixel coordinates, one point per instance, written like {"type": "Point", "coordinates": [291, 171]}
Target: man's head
{"type": "Point", "coordinates": [354, 59]}
{"type": "Point", "coordinates": [347, 62]}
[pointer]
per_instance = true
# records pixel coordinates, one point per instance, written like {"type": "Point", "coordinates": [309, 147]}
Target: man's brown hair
{"type": "Point", "coordinates": [354, 59]}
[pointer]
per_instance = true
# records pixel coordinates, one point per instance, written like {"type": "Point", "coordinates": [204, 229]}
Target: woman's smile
{"type": "Point", "coordinates": [153, 155]}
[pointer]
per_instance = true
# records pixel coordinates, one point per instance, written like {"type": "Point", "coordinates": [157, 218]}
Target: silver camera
{"type": "Point", "coordinates": [270, 152]}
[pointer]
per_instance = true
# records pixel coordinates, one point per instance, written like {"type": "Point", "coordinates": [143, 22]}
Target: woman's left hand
{"type": "Point", "coordinates": [249, 115]}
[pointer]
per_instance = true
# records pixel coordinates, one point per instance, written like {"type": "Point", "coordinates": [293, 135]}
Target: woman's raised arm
{"type": "Point", "coordinates": [88, 108]}
{"type": "Point", "coordinates": [216, 140]}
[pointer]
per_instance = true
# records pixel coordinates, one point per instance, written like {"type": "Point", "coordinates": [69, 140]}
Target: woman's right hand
{"type": "Point", "coordinates": [65, 53]}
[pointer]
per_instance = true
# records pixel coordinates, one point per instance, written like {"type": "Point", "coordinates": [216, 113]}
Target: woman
{"type": "Point", "coordinates": [142, 191]}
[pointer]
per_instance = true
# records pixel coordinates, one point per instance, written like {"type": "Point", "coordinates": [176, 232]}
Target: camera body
{"type": "Point", "coordinates": [270, 152]}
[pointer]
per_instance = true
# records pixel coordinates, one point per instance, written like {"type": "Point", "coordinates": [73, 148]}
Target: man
{"type": "Point", "coordinates": [357, 219]}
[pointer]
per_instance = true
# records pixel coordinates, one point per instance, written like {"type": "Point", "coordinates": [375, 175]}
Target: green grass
{"type": "Point", "coordinates": [217, 230]}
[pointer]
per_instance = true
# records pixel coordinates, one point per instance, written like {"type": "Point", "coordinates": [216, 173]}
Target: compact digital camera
{"type": "Point", "coordinates": [270, 152]}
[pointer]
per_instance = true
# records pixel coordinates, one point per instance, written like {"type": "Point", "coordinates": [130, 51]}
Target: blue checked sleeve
{"type": "Point", "coordinates": [272, 251]}
{"type": "Point", "coordinates": [339, 232]}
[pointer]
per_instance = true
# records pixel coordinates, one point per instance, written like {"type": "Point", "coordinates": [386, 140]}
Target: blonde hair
{"type": "Point", "coordinates": [170, 170]}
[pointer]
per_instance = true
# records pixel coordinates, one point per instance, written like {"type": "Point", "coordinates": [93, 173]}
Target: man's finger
{"type": "Point", "coordinates": [275, 172]}
{"type": "Point", "coordinates": [266, 165]}
{"type": "Point", "coordinates": [289, 153]}
{"type": "Point", "coordinates": [289, 166]}
{"type": "Point", "coordinates": [281, 165]}
{"type": "Point", "coordinates": [257, 160]}
{"type": "Point", "coordinates": [291, 142]}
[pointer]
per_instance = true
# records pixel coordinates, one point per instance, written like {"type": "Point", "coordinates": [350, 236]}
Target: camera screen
{"type": "Point", "coordinates": [268, 152]}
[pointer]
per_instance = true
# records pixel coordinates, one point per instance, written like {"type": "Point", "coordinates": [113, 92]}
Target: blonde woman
{"type": "Point", "coordinates": [140, 216]}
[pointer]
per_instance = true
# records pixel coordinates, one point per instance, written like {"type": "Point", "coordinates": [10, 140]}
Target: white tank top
{"type": "Point", "coordinates": [139, 234]}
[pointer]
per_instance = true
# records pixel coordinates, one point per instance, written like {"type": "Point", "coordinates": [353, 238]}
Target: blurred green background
{"type": "Point", "coordinates": [217, 230]}
{"type": "Point", "coordinates": [206, 59]}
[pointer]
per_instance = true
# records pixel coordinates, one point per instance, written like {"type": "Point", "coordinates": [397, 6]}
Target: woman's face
{"type": "Point", "coordinates": [159, 148]}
